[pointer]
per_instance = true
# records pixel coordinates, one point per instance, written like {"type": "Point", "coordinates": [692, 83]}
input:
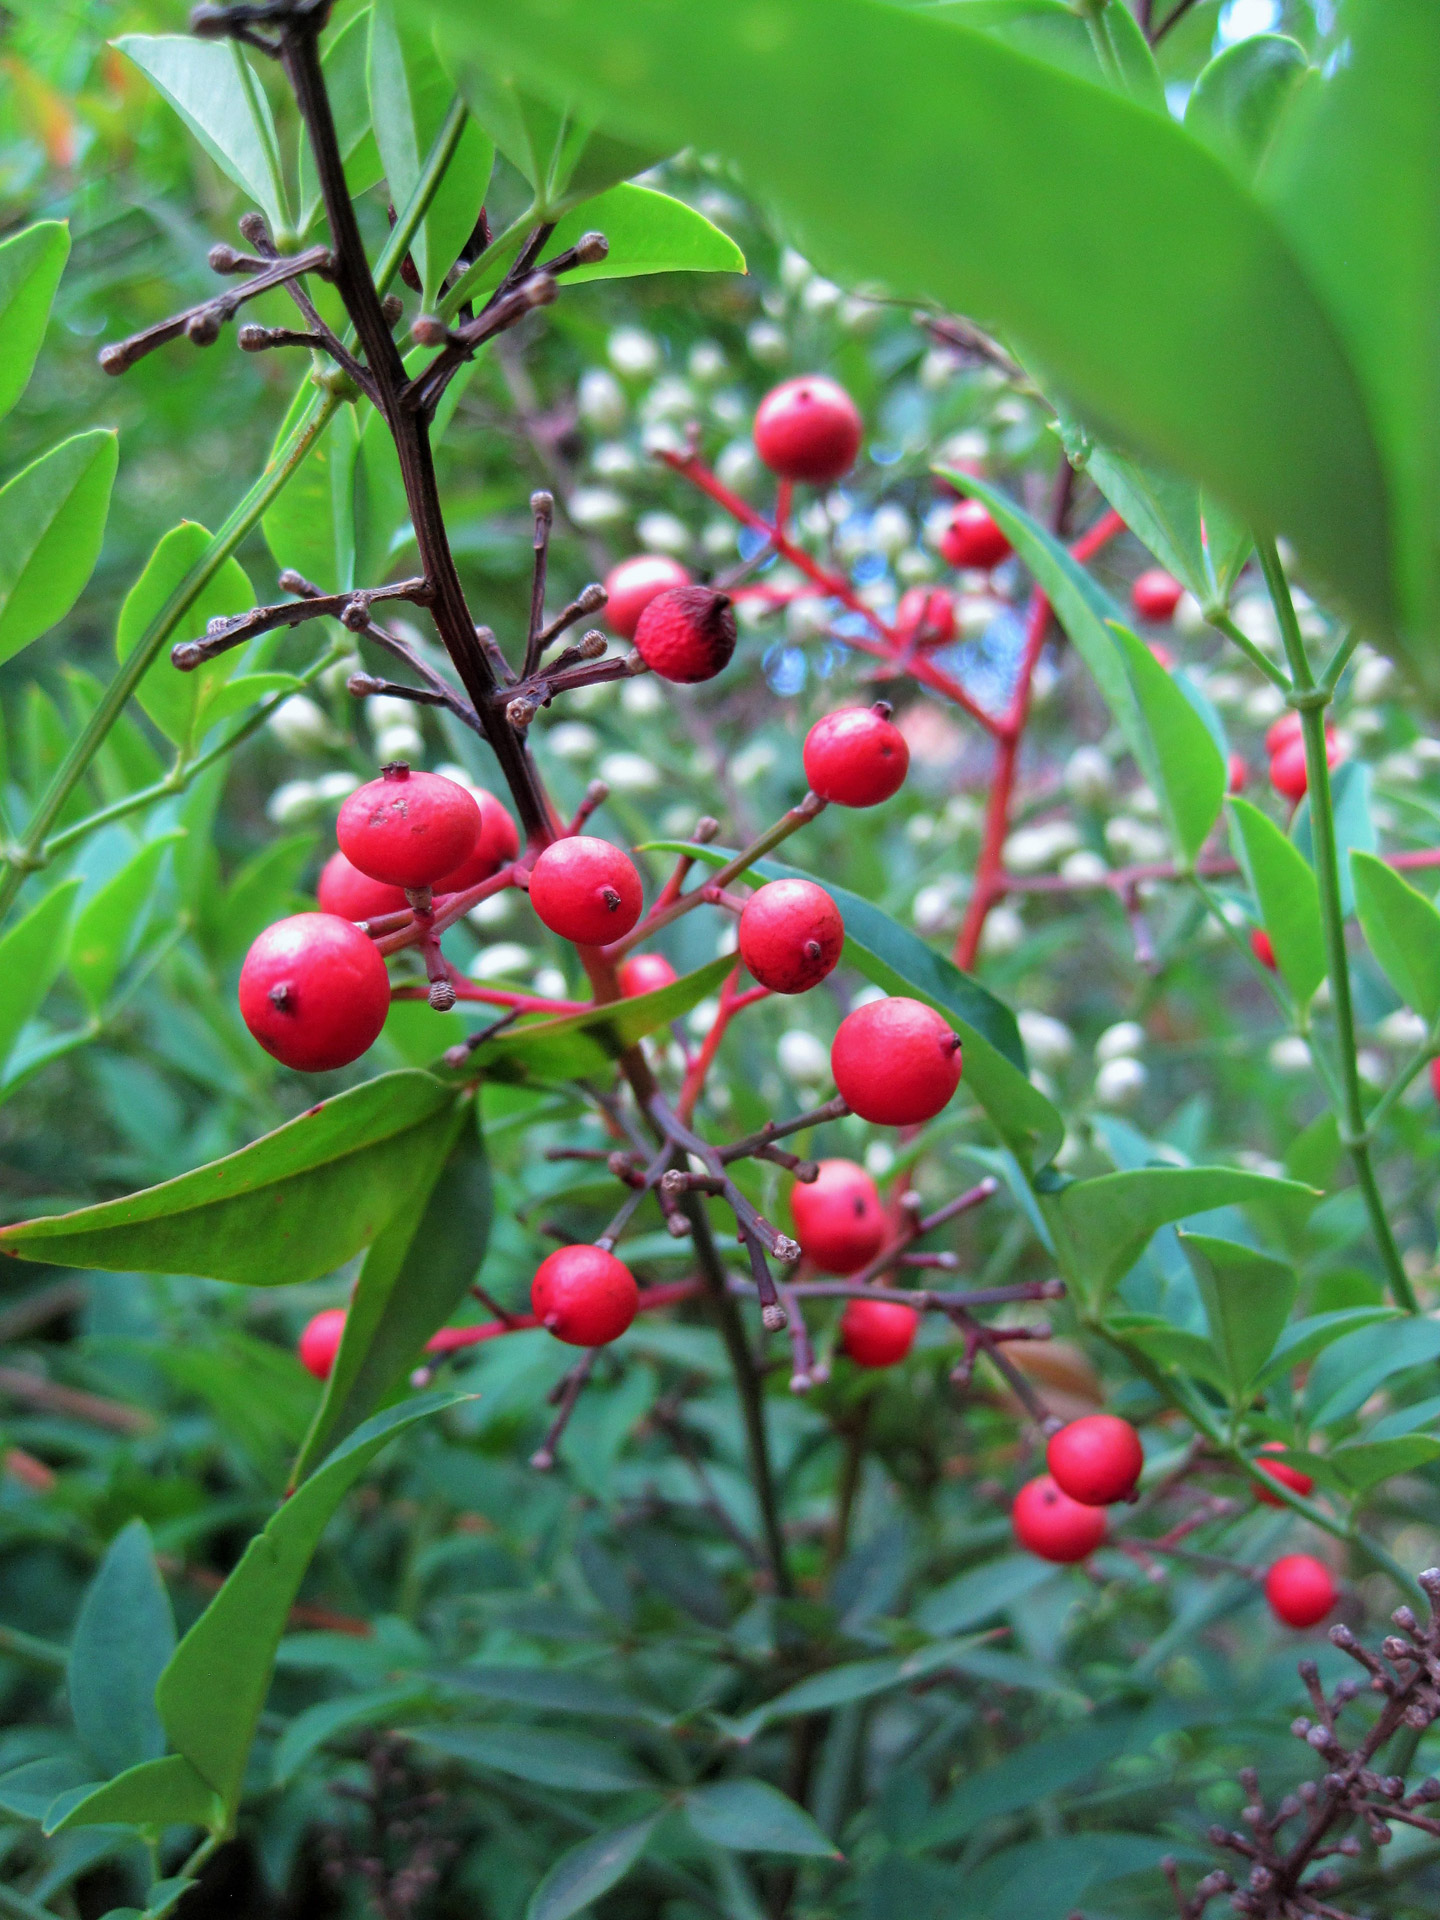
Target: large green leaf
{"type": "Point", "coordinates": [569, 1762]}
{"type": "Point", "coordinates": [176, 701]}
{"type": "Point", "coordinates": [579, 1877]}
{"type": "Point", "coordinates": [31, 263]}
{"type": "Point", "coordinates": [1237, 104]}
{"type": "Point", "coordinates": [293, 1205]}
{"type": "Point", "coordinates": [1286, 893]}
{"type": "Point", "coordinates": [52, 520]}
{"type": "Point", "coordinates": [1248, 1297]}
{"type": "Point", "coordinates": [861, 121]}
{"type": "Point", "coordinates": [751, 1816]}
{"type": "Point", "coordinates": [124, 1635]}
{"type": "Point", "coordinates": [106, 926]}
{"type": "Point", "coordinates": [1403, 930]}
{"type": "Point", "coordinates": [153, 1795]}
{"type": "Point", "coordinates": [1189, 765]}
{"type": "Point", "coordinates": [31, 954]}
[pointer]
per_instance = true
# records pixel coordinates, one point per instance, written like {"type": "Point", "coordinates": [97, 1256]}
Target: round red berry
{"type": "Point", "coordinates": [839, 1219]}
{"type": "Point", "coordinates": [1263, 948]}
{"type": "Point", "coordinates": [497, 843]}
{"type": "Point", "coordinates": [408, 828]}
{"type": "Point", "coordinates": [1288, 773]}
{"type": "Point", "coordinates": [895, 1062]}
{"type": "Point", "coordinates": [1095, 1460]}
{"type": "Point", "coordinates": [973, 538]}
{"type": "Point", "coordinates": [584, 1296]}
{"type": "Point", "coordinates": [1435, 1076]}
{"type": "Point", "coordinates": [646, 973]}
{"type": "Point", "coordinates": [314, 992]}
{"type": "Point", "coordinates": [856, 757]}
{"type": "Point", "coordinates": [320, 1342]}
{"type": "Point", "coordinates": [1280, 733]}
{"type": "Point", "coordinates": [630, 587]}
{"type": "Point", "coordinates": [925, 617]}
{"type": "Point", "coordinates": [687, 634]}
{"type": "Point", "coordinates": [1301, 1590]}
{"type": "Point", "coordinates": [1049, 1524]}
{"type": "Point", "coordinates": [1237, 774]}
{"type": "Point", "coordinates": [1283, 1472]}
{"type": "Point", "coordinates": [344, 890]}
{"type": "Point", "coordinates": [586, 890]}
{"type": "Point", "coordinates": [878, 1333]}
{"type": "Point", "coordinates": [808, 429]}
{"type": "Point", "coordinates": [1155, 596]}
{"type": "Point", "coordinates": [791, 935]}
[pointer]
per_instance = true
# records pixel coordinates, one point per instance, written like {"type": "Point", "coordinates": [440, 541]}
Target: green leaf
{"type": "Point", "coordinates": [1161, 509]}
{"type": "Point", "coordinates": [31, 954]}
{"type": "Point", "coordinates": [1363, 1464]}
{"type": "Point", "coordinates": [344, 64]}
{"type": "Point", "coordinates": [308, 1731]}
{"type": "Point", "coordinates": [569, 1762]}
{"type": "Point", "coordinates": [1173, 1349]}
{"type": "Point", "coordinates": [415, 1275]}
{"type": "Point", "coordinates": [107, 926]}
{"type": "Point", "coordinates": [29, 1791]}
{"type": "Point", "coordinates": [549, 1690]}
{"type": "Point", "coordinates": [211, 1693]}
{"type": "Point", "coordinates": [1403, 931]}
{"type": "Point", "coordinates": [124, 1635]}
{"type": "Point", "coordinates": [293, 1205]}
{"type": "Point", "coordinates": [1237, 103]}
{"type": "Point", "coordinates": [261, 891]}
{"type": "Point", "coordinates": [751, 1816]}
{"type": "Point", "coordinates": [153, 1795]}
{"type": "Point", "coordinates": [1248, 1297]}
{"type": "Point", "coordinates": [213, 88]}
{"type": "Point", "coordinates": [1308, 1337]}
{"type": "Point", "coordinates": [52, 520]}
{"type": "Point", "coordinates": [648, 232]}
{"type": "Point", "coordinates": [977, 1596]}
{"type": "Point", "coordinates": [1031, 1773]}
{"type": "Point", "coordinates": [1285, 891]}
{"type": "Point", "coordinates": [31, 263]}
{"type": "Point", "coordinates": [311, 527]}
{"type": "Point", "coordinates": [176, 701]}
{"type": "Point", "coordinates": [1190, 766]}
{"type": "Point", "coordinates": [1349, 1371]}
{"type": "Point", "coordinates": [854, 1680]}
{"type": "Point", "coordinates": [579, 1877]}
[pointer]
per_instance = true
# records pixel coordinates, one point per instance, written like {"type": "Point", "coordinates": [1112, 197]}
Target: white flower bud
{"type": "Point", "coordinates": [868, 996]}
{"type": "Point", "coordinates": [750, 763]}
{"type": "Point", "coordinates": [1188, 617]}
{"type": "Point", "coordinates": [1120, 1042]}
{"type": "Point", "coordinates": [596, 507]}
{"type": "Point", "coordinates": [1289, 1054]}
{"type": "Point", "coordinates": [939, 368]}
{"type": "Point", "coordinates": [1048, 1041]}
{"type": "Point", "coordinates": [1004, 931]}
{"type": "Point", "coordinates": [717, 539]}
{"type": "Point", "coordinates": [879, 1159]}
{"type": "Point", "coordinates": [728, 938]}
{"type": "Point", "coordinates": [1032, 849]}
{"type": "Point", "coordinates": [1403, 1028]}
{"type": "Point", "coordinates": [737, 465]}
{"type": "Point", "coordinates": [629, 773]}
{"type": "Point", "coordinates": [601, 400]}
{"type": "Point", "coordinates": [507, 960]}
{"type": "Point", "coordinates": [920, 828]}
{"type": "Point", "coordinates": [493, 912]}
{"type": "Point", "coordinates": [1120, 1083]}
{"type": "Point", "coordinates": [767, 343]}
{"type": "Point", "coordinates": [1084, 867]}
{"type": "Point", "coordinates": [333, 787]}
{"type": "Point", "coordinates": [642, 698]}
{"type": "Point", "coordinates": [1088, 776]}
{"type": "Point", "coordinates": [550, 982]}
{"type": "Point", "coordinates": [914, 565]}
{"type": "Point", "coordinates": [934, 909]}
{"type": "Point", "coordinates": [795, 270]}
{"type": "Point", "coordinates": [1226, 690]}
{"type": "Point", "coordinates": [819, 295]}
{"type": "Point", "coordinates": [1255, 617]}
{"type": "Point", "coordinates": [707, 362]}
{"type": "Point", "coordinates": [633, 352]}
{"type": "Point", "coordinates": [1374, 680]}
{"type": "Point", "coordinates": [1372, 1066]}
{"type": "Point", "coordinates": [400, 743]}
{"type": "Point", "coordinates": [670, 399]}
{"type": "Point", "coordinates": [802, 1058]}
{"type": "Point", "coordinates": [295, 800]}
{"type": "Point", "coordinates": [1263, 705]}
{"type": "Point", "coordinates": [661, 437]}
{"type": "Point", "coordinates": [858, 315]}
{"type": "Point", "coordinates": [572, 740]}
{"type": "Point", "coordinates": [890, 529]}
{"type": "Point", "coordinates": [663, 533]}
{"type": "Point", "coordinates": [300, 725]}
{"type": "Point", "coordinates": [1426, 751]}
{"type": "Point", "coordinates": [613, 460]}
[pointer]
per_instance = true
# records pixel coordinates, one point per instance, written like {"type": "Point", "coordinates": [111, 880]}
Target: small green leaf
{"type": "Point", "coordinates": [213, 88]}
{"type": "Point", "coordinates": [344, 64]}
{"type": "Point", "coordinates": [974, 1597]}
{"type": "Point", "coordinates": [107, 926]}
{"type": "Point", "coordinates": [31, 954]}
{"type": "Point", "coordinates": [31, 263]}
{"type": "Point", "coordinates": [1285, 891]}
{"type": "Point", "coordinates": [153, 1795]}
{"type": "Point", "coordinates": [124, 1635]}
{"type": "Point", "coordinates": [1161, 509]}
{"type": "Point", "coordinates": [1306, 1338]}
{"type": "Point", "coordinates": [52, 520]}
{"type": "Point", "coordinates": [29, 1791]}
{"type": "Point", "coordinates": [176, 701]}
{"type": "Point", "coordinates": [579, 1877]}
{"type": "Point", "coordinates": [1349, 1371]}
{"type": "Point", "coordinates": [1173, 1349]}
{"type": "Point", "coordinates": [308, 1731]}
{"type": "Point", "coordinates": [751, 1816]}
{"type": "Point", "coordinates": [1248, 1297]}
{"type": "Point", "coordinates": [853, 1680]}
{"type": "Point", "coordinates": [1191, 768]}
{"type": "Point", "coordinates": [1403, 930]}
{"type": "Point", "coordinates": [549, 1690]}
{"type": "Point", "coordinates": [311, 527]}
{"type": "Point", "coordinates": [1236, 105]}
{"type": "Point", "coordinates": [569, 1762]}
{"type": "Point", "coordinates": [1363, 1464]}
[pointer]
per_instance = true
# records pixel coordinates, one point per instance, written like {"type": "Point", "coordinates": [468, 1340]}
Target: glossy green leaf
{"type": "Point", "coordinates": [154, 1794]}
{"type": "Point", "coordinates": [309, 1730]}
{"type": "Point", "coordinates": [211, 1693]}
{"type": "Point", "coordinates": [1161, 509]}
{"type": "Point", "coordinates": [262, 890]}
{"type": "Point", "coordinates": [414, 1277]}
{"type": "Point", "coordinates": [1306, 1338]}
{"type": "Point", "coordinates": [176, 702]}
{"type": "Point", "coordinates": [1236, 105]}
{"type": "Point", "coordinates": [549, 1690]}
{"type": "Point", "coordinates": [344, 62]}
{"type": "Point", "coordinates": [29, 1791]}
{"type": "Point", "coordinates": [1363, 1464]}
{"type": "Point", "coordinates": [974, 1597]}
{"type": "Point", "coordinates": [31, 954]}
{"type": "Point", "coordinates": [293, 1205]}
{"type": "Point", "coordinates": [31, 263]}
{"type": "Point", "coordinates": [52, 520]}
{"type": "Point", "coordinates": [1349, 1371]}
{"type": "Point", "coordinates": [568, 1762]}
{"type": "Point", "coordinates": [124, 1635]}
{"type": "Point", "coordinates": [852, 1680]}
{"type": "Point", "coordinates": [751, 1816]}
{"type": "Point", "coordinates": [1032, 1772]}
{"type": "Point", "coordinates": [579, 1877]}
{"type": "Point", "coordinates": [106, 928]}
{"type": "Point", "coordinates": [311, 527]}
{"type": "Point", "coordinates": [213, 88]}
{"type": "Point", "coordinates": [1190, 766]}
{"type": "Point", "coordinates": [1175, 1350]}
{"type": "Point", "coordinates": [1248, 1297]}
{"type": "Point", "coordinates": [1403, 931]}
{"type": "Point", "coordinates": [1284, 886]}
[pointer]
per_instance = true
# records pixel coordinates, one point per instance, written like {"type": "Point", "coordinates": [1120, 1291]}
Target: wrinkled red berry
{"type": "Point", "coordinates": [973, 538]}
{"type": "Point", "coordinates": [646, 973]}
{"type": "Point", "coordinates": [584, 1296]}
{"type": "Point", "coordinates": [1095, 1460]}
{"type": "Point", "coordinates": [630, 587]}
{"type": "Point", "coordinates": [1301, 1590]}
{"type": "Point", "coordinates": [1155, 596]}
{"type": "Point", "coordinates": [320, 1342]}
{"type": "Point", "coordinates": [1262, 948]}
{"type": "Point", "coordinates": [1049, 1524]}
{"type": "Point", "coordinates": [1283, 1472]}
{"type": "Point", "coordinates": [808, 429]}
{"type": "Point", "coordinates": [344, 890]}
{"type": "Point", "coordinates": [586, 890]}
{"type": "Point", "coordinates": [687, 634]}
{"type": "Point", "coordinates": [878, 1333]}
{"type": "Point", "coordinates": [497, 842]}
{"type": "Point", "coordinates": [839, 1219]}
{"type": "Point", "coordinates": [1237, 774]}
{"type": "Point", "coordinates": [791, 935]}
{"type": "Point", "coordinates": [408, 828]}
{"type": "Point", "coordinates": [856, 757]}
{"type": "Point", "coordinates": [895, 1062]}
{"type": "Point", "coordinates": [314, 992]}
{"type": "Point", "coordinates": [925, 617]}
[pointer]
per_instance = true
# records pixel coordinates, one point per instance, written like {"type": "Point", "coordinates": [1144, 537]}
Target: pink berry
{"type": "Point", "coordinates": [808, 429]}
{"type": "Point", "coordinates": [1237, 774]}
{"type": "Point", "coordinates": [408, 828]}
{"type": "Point", "coordinates": [856, 757]}
{"type": "Point", "coordinates": [1301, 1590]}
{"type": "Point", "coordinates": [586, 890]}
{"type": "Point", "coordinates": [1280, 733]}
{"type": "Point", "coordinates": [1289, 774]}
{"type": "Point", "coordinates": [344, 890]}
{"type": "Point", "coordinates": [314, 992]}
{"type": "Point", "coordinates": [925, 617]}
{"type": "Point", "coordinates": [1096, 1459]}
{"type": "Point", "coordinates": [1155, 596]}
{"type": "Point", "coordinates": [895, 1062]}
{"type": "Point", "coordinates": [630, 587]}
{"type": "Point", "coordinates": [320, 1342]}
{"type": "Point", "coordinates": [584, 1296]}
{"type": "Point", "coordinates": [839, 1219]}
{"type": "Point", "coordinates": [687, 634]}
{"type": "Point", "coordinates": [791, 935]}
{"type": "Point", "coordinates": [497, 843]}
{"type": "Point", "coordinates": [1262, 948]}
{"type": "Point", "coordinates": [646, 973]}
{"type": "Point", "coordinates": [973, 538]}
{"type": "Point", "coordinates": [878, 1333]}
{"type": "Point", "coordinates": [1283, 1472]}
{"type": "Point", "coordinates": [1049, 1524]}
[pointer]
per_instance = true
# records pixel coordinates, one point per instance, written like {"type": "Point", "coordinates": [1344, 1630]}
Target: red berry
{"type": "Point", "coordinates": [808, 429]}
{"type": "Point", "coordinates": [1282, 1471]}
{"type": "Point", "coordinates": [1262, 948]}
{"type": "Point", "coordinates": [630, 587]}
{"type": "Point", "coordinates": [586, 890]}
{"type": "Point", "coordinates": [1301, 1590]}
{"type": "Point", "coordinates": [839, 1220]}
{"type": "Point", "coordinates": [1237, 774]}
{"type": "Point", "coordinates": [1435, 1076]}
{"type": "Point", "coordinates": [1049, 1524]}
{"type": "Point", "coordinates": [497, 843]}
{"type": "Point", "coordinates": [1096, 1459]}
{"type": "Point", "coordinates": [314, 991]}
{"type": "Point", "coordinates": [646, 973]}
{"type": "Point", "coordinates": [1155, 596]}
{"type": "Point", "coordinates": [408, 828]}
{"type": "Point", "coordinates": [856, 757]}
{"type": "Point", "coordinates": [1288, 774]}
{"type": "Point", "coordinates": [584, 1296]}
{"type": "Point", "coordinates": [1281, 732]}
{"type": "Point", "coordinates": [344, 890]}
{"type": "Point", "coordinates": [925, 617]}
{"type": "Point", "coordinates": [973, 539]}
{"type": "Point", "coordinates": [878, 1333]}
{"type": "Point", "coordinates": [895, 1062]}
{"type": "Point", "coordinates": [791, 935]}
{"type": "Point", "coordinates": [320, 1342]}
{"type": "Point", "coordinates": [687, 633]}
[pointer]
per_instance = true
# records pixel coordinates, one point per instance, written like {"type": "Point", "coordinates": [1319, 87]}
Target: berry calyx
{"type": "Point", "coordinates": [344, 890]}
{"type": "Point", "coordinates": [584, 1296]}
{"type": "Point", "coordinates": [646, 973]}
{"type": "Point", "coordinates": [1301, 1590]}
{"type": "Point", "coordinates": [1281, 1471]}
{"type": "Point", "coordinates": [1155, 596]}
{"type": "Point", "coordinates": [1049, 1524]}
{"type": "Point", "coordinates": [895, 1062]}
{"type": "Point", "coordinates": [925, 617]}
{"type": "Point", "coordinates": [1096, 1460]}
{"type": "Point", "coordinates": [687, 634]}
{"type": "Point", "coordinates": [586, 890]}
{"type": "Point", "coordinates": [631, 586]}
{"type": "Point", "coordinates": [856, 757]}
{"type": "Point", "coordinates": [314, 992]}
{"type": "Point", "coordinates": [973, 538]}
{"type": "Point", "coordinates": [497, 842]}
{"type": "Point", "coordinates": [839, 1219]}
{"type": "Point", "coordinates": [408, 828]}
{"type": "Point", "coordinates": [320, 1342]}
{"type": "Point", "coordinates": [791, 935]}
{"type": "Point", "coordinates": [1263, 948]}
{"type": "Point", "coordinates": [878, 1333]}
{"type": "Point", "coordinates": [808, 429]}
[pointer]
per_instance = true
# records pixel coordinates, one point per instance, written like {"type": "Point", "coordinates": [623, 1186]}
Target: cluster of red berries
{"type": "Point", "coordinates": [841, 1225]}
{"type": "Point", "coordinates": [1285, 749]}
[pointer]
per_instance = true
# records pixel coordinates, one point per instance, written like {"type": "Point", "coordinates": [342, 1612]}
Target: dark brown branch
{"type": "Point", "coordinates": [422, 394]}
{"type": "Point", "coordinates": [363, 685]}
{"type": "Point", "coordinates": [542, 506]}
{"type": "Point", "coordinates": [590, 600]}
{"type": "Point", "coordinates": [351, 609]}
{"type": "Point", "coordinates": [773, 1130]}
{"type": "Point", "coordinates": [201, 324]}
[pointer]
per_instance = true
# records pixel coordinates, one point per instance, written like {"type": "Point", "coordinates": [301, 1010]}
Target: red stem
{"type": "Point", "coordinates": [731, 1002]}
